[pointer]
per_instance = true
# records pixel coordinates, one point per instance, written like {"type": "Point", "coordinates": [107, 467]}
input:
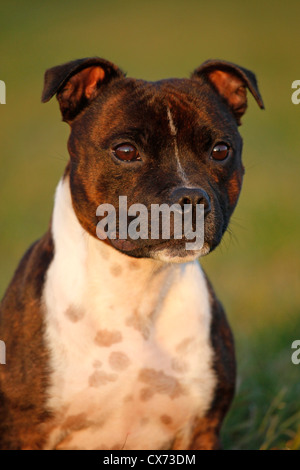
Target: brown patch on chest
{"type": "Point", "coordinates": [99, 378]}
{"type": "Point", "coordinates": [165, 419]}
{"type": "Point", "coordinates": [159, 382]}
{"type": "Point", "coordinates": [138, 323]}
{"type": "Point", "coordinates": [106, 338]}
{"type": "Point", "coordinates": [72, 424]}
{"type": "Point", "coordinates": [118, 361]}
{"type": "Point", "coordinates": [74, 314]}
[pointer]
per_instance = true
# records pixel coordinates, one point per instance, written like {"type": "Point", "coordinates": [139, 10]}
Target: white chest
{"type": "Point", "coordinates": [129, 344]}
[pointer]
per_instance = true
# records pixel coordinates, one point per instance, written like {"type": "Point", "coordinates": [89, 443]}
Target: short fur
{"type": "Point", "coordinates": [124, 345]}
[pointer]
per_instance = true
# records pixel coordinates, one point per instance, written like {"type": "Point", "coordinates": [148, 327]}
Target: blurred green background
{"type": "Point", "coordinates": [256, 270]}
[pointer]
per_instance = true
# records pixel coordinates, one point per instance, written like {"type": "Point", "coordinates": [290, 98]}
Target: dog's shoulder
{"type": "Point", "coordinates": [23, 377]}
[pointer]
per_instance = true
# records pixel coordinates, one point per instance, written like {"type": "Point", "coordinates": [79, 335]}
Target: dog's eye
{"type": "Point", "coordinates": [127, 153]}
{"type": "Point", "coordinates": [220, 151]}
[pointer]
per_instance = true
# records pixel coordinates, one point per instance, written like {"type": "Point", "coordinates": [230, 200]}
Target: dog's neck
{"type": "Point", "coordinates": [88, 268]}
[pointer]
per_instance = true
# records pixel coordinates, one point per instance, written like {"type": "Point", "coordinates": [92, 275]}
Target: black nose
{"type": "Point", "coordinates": [192, 196]}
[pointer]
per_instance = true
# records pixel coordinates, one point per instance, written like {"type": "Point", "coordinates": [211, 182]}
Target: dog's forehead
{"type": "Point", "coordinates": [168, 105]}
{"type": "Point", "coordinates": [178, 94]}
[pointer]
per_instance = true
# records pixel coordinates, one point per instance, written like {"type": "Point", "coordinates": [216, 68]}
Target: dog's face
{"type": "Point", "coordinates": [169, 142]}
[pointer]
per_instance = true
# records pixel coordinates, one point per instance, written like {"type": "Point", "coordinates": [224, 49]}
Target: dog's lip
{"type": "Point", "coordinates": [128, 245]}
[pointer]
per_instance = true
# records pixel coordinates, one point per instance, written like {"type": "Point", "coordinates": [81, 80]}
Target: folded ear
{"type": "Point", "coordinates": [230, 81]}
{"type": "Point", "coordinates": [77, 83]}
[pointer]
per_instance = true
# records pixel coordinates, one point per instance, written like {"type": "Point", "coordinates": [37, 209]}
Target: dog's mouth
{"type": "Point", "coordinates": [174, 243]}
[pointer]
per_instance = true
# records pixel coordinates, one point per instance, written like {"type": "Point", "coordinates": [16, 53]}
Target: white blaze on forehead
{"type": "Point", "coordinates": [173, 131]}
{"type": "Point", "coordinates": [171, 123]}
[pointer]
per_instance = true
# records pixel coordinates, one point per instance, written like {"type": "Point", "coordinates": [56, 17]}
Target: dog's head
{"type": "Point", "coordinates": [174, 141]}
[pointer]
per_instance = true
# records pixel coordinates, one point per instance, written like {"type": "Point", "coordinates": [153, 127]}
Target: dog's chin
{"type": "Point", "coordinates": [165, 252]}
{"type": "Point", "coordinates": [173, 255]}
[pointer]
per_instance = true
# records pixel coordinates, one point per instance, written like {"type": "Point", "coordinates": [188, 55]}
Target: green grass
{"type": "Point", "coordinates": [256, 270]}
{"type": "Point", "coordinates": [265, 413]}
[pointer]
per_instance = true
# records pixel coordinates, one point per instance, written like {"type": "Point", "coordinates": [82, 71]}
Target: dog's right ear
{"type": "Point", "coordinates": [77, 83]}
{"type": "Point", "coordinates": [230, 81]}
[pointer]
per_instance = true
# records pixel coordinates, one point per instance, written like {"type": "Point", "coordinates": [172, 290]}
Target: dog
{"type": "Point", "coordinates": [118, 343]}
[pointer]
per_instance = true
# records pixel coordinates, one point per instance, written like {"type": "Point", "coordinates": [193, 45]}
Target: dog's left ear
{"type": "Point", "coordinates": [230, 81]}
{"type": "Point", "coordinates": [77, 83]}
